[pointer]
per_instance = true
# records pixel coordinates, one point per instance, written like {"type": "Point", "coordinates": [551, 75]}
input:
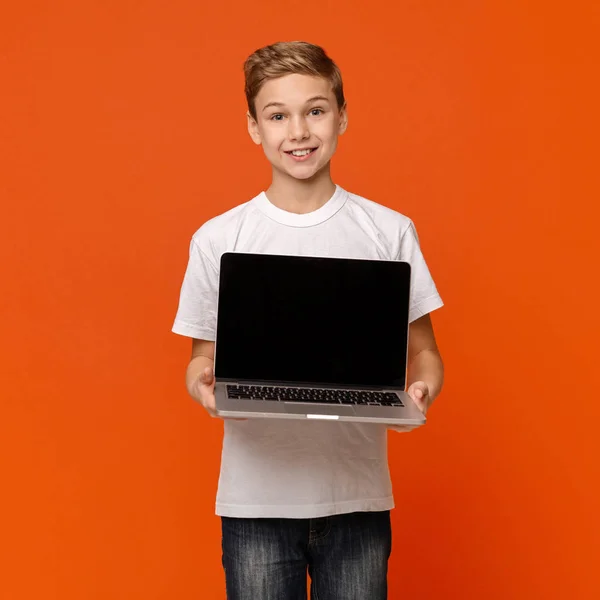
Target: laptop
{"type": "Point", "coordinates": [302, 337]}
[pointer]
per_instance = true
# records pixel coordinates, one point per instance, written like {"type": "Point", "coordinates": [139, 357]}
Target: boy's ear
{"type": "Point", "coordinates": [343, 120]}
{"type": "Point", "coordinates": [253, 129]}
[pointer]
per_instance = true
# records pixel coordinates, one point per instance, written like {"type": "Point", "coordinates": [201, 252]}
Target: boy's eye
{"type": "Point", "coordinates": [315, 112]}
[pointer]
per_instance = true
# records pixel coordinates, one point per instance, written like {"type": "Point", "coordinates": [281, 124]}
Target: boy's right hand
{"type": "Point", "coordinates": [203, 391]}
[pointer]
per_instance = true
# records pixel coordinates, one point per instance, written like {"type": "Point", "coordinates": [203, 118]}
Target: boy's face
{"type": "Point", "coordinates": [297, 113]}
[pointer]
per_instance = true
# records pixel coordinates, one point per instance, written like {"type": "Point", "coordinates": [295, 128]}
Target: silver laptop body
{"type": "Point", "coordinates": [313, 338]}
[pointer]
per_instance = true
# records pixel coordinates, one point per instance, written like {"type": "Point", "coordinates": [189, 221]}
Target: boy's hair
{"type": "Point", "coordinates": [286, 58]}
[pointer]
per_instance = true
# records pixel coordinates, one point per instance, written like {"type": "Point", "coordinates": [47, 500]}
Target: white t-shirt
{"type": "Point", "coordinates": [294, 468]}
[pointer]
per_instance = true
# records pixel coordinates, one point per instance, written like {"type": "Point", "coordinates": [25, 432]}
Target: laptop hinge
{"type": "Point", "coordinates": [273, 383]}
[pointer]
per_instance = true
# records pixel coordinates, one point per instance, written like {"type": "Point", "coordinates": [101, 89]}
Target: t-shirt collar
{"type": "Point", "coordinates": [332, 206]}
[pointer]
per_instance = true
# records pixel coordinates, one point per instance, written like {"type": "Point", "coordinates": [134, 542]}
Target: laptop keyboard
{"type": "Point", "coordinates": [311, 395]}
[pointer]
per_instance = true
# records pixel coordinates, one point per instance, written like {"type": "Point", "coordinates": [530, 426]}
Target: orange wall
{"type": "Point", "coordinates": [122, 129]}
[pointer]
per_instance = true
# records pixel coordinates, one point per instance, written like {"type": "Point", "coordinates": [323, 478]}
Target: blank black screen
{"type": "Point", "coordinates": [312, 320]}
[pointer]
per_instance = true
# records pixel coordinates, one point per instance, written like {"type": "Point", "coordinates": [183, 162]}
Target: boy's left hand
{"type": "Point", "coordinates": [419, 392]}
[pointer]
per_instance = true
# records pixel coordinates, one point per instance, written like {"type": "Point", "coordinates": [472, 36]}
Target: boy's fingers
{"type": "Point", "coordinates": [210, 406]}
{"type": "Point", "coordinates": [418, 391]}
{"type": "Point", "coordinates": [403, 428]}
{"type": "Point", "coordinates": [207, 376]}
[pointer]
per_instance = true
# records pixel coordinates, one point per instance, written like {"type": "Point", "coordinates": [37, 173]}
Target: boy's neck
{"type": "Point", "coordinates": [301, 196]}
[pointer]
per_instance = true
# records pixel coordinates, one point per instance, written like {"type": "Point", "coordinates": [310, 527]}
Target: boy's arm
{"type": "Point", "coordinates": [425, 373]}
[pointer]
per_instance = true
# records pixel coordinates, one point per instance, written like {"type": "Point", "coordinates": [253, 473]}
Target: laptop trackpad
{"type": "Point", "coordinates": [299, 408]}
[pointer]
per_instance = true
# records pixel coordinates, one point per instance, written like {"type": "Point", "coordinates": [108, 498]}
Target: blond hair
{"type": "Point", "coordinates": [286, 58]}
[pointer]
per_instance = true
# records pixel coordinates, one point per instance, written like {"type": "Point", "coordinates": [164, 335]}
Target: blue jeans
{"type": "Point", "coordinates": [346, 557]}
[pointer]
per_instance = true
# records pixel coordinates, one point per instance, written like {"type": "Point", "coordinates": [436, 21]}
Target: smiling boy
{"type": "Point", "coordinates": [298, 495]}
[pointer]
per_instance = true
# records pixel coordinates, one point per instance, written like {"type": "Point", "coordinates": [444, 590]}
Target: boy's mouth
{"type": "Point", "coordinates": [301, 154]}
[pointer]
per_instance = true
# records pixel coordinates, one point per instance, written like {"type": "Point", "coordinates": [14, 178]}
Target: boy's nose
{"type": "Point", "coordinates": [298, 129]}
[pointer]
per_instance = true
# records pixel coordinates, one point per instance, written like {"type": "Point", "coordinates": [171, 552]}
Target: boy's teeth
{"type": "Point", "coordinates": [301, 152]}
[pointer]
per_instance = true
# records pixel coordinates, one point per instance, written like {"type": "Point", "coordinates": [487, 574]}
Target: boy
{"type": "Point", "coordinates": [302, 494]}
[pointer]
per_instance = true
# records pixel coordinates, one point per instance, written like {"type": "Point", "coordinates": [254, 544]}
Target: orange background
{"type": "Point", "coordinates": [122, 130]}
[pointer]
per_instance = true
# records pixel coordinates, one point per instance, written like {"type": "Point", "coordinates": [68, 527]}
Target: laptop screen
{"type": "Point", "coordinates": [290, 319]}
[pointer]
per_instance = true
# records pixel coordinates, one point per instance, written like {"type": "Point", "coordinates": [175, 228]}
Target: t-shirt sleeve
{"type": "Point", "coordinates": [424, 297]}
{"type": "Point", "coordinates": [197, 313]}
